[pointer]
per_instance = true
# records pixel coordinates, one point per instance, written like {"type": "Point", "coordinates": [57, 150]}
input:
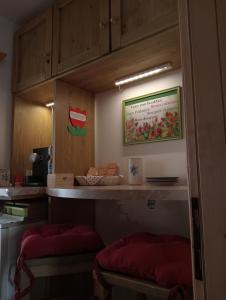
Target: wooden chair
{"type": "Point", "coordinates": [145, 287]}
{"type": "Point", "coordinates": [45, 253]}
{"type": "Point", "coordinates": [58, 266]}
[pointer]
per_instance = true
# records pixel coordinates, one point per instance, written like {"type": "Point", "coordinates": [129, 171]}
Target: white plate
{"type": "Point", "coordinates": [163, 183]}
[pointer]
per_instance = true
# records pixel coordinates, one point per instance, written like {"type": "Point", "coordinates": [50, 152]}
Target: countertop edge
{"type": "Point", "coordinates": [121, 192]}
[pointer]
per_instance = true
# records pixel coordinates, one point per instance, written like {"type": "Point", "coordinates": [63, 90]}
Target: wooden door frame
{"type": "Point", "coordinates": [202, 25]}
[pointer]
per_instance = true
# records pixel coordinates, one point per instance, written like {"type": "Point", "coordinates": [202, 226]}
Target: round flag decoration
{"type": "Point", "coordinates": [78, 119]}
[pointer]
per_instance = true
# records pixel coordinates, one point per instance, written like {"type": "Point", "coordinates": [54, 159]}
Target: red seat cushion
{"type": "Point", "coordinates": [164, 259]}
{"type": "Point", "coordinates": [52, 240]}
{"type": "Point", "coordinates": [59, 239]}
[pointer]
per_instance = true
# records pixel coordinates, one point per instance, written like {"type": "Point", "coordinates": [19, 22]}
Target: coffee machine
{"type": "Point", "coordinates": [41, 159]}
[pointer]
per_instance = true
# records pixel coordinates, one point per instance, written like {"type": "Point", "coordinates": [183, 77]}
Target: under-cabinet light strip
{"type": "Point", "coordinates": [144, 74]}
{"type": "Point", "coordinates": [50, 104]}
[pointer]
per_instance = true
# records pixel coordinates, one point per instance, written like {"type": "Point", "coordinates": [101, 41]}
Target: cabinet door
{"type": "Point", "coordinates": [33, 46]}
{"type": "Point", "coordinates": [81, 32]}
{"type": "Point", "coordinates": [132, 20]}
{"type": "Point", "coordinates": [204, 70]}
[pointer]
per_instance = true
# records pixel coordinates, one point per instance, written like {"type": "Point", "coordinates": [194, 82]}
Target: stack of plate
{"type": "Point", "coordinates": [162, 180]}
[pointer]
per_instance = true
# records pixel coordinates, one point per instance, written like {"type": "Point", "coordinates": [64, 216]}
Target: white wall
{"type": "Point", "coordinates": [6, 45]}
{"type": "Point", "coordinates": [118, 218]}
{"type": "Point", "coordinates": [161, 158]}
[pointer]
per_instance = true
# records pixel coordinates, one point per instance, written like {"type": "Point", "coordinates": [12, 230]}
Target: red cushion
{"type": "Point", "coordinates": [59, 239]}
{"type": "Point", "coordinates": [164, 259]}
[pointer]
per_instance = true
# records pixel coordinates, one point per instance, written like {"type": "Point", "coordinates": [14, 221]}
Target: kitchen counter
{"type": "Point", "coordinates": [116, 192]}
{"type": "Point", "coordinates": [22, 192]}
{"type": "Point", "coordinates": [120, 192]}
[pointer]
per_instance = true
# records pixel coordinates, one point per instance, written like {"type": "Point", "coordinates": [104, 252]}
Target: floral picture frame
{"type": "Point", "coordinates": [153, 117]}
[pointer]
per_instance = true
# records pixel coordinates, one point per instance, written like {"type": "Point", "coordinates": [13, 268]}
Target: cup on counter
{"type": "Point", "coordinates": [135, 170]}
{"type": "Point", "coordinates": [19, 180]}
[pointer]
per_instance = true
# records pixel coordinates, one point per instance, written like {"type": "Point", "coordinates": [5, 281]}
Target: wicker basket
{"type": "Point", "coordinates": [99, 180]}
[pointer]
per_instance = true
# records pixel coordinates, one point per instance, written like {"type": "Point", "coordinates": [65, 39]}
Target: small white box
{"type": "Point", "coordinates": [60, 180]}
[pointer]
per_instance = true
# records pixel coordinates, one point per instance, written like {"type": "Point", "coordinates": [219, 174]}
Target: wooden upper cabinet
{"type": "Point", "coordinates": [132, 20]}
{"type": "Point", "coordinates": [81, 32]}
{"type": "Point", "coordinates": [33, 47]}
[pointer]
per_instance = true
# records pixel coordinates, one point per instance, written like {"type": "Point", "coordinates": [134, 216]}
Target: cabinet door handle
{"type": "Point", "coordinates": [114, 20]}
{"type": "Point", "coordinates": [103, 24]}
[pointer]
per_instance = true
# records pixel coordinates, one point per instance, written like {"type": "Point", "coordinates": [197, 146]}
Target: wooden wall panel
{"type": "Point", "coordinates": [73, 154]}
{"type": "Point", "coordinates": [32, 128]}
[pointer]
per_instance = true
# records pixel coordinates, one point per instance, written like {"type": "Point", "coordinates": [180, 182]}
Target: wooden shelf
{"type": "Point", "coordinates": [2, 56]}
{"type": "Point", "coordinates": [122, 192]}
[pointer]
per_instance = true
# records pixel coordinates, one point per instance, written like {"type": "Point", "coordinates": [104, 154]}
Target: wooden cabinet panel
{"type": "Point", "coordinates": [33, 46]}
{"type": "Point", "coordinates": [32, 128]}
{"type": "Point", "coordinates": [132, 20]}
{"type": "Point", "coordinates": [81, 32]}
{"type": "Point", "coordinates": [73, 153]}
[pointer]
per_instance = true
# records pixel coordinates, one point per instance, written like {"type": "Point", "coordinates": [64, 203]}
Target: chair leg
{"type": "Point", "coordinates": [100, 292]}
{"type": "Point", "coordinates": [24, 282]}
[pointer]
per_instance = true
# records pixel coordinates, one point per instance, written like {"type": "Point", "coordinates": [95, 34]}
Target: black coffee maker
{"type": "Point", "coordinates": [41, 166]}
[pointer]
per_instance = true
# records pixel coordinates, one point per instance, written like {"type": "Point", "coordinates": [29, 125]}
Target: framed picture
{"type": "Point", "coordinates": [153, 118]}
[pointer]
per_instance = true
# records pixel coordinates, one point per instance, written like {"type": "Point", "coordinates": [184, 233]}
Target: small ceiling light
{"type": "Point", "coordinates": [50, 104]}
{"type": "Point", "coordinates": [147, 73]}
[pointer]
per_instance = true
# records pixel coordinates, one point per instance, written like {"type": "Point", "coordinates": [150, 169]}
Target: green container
{"type": "Point", "coordinates": [19, 211]}
{"type": "Point", "coordinates": [7, 209]}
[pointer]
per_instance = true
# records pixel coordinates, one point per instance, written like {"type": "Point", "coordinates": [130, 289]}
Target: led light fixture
{"type": "Point", "coordinates": [50, 104]}
{"type": "Point", "coordinates": [147, 73]}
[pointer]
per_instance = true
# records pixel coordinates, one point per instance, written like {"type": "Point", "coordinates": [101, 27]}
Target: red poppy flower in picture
{"type": "Point", "coordinates": [78, 119]}
{"type": "Point", "coordinates": [153, 117]}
